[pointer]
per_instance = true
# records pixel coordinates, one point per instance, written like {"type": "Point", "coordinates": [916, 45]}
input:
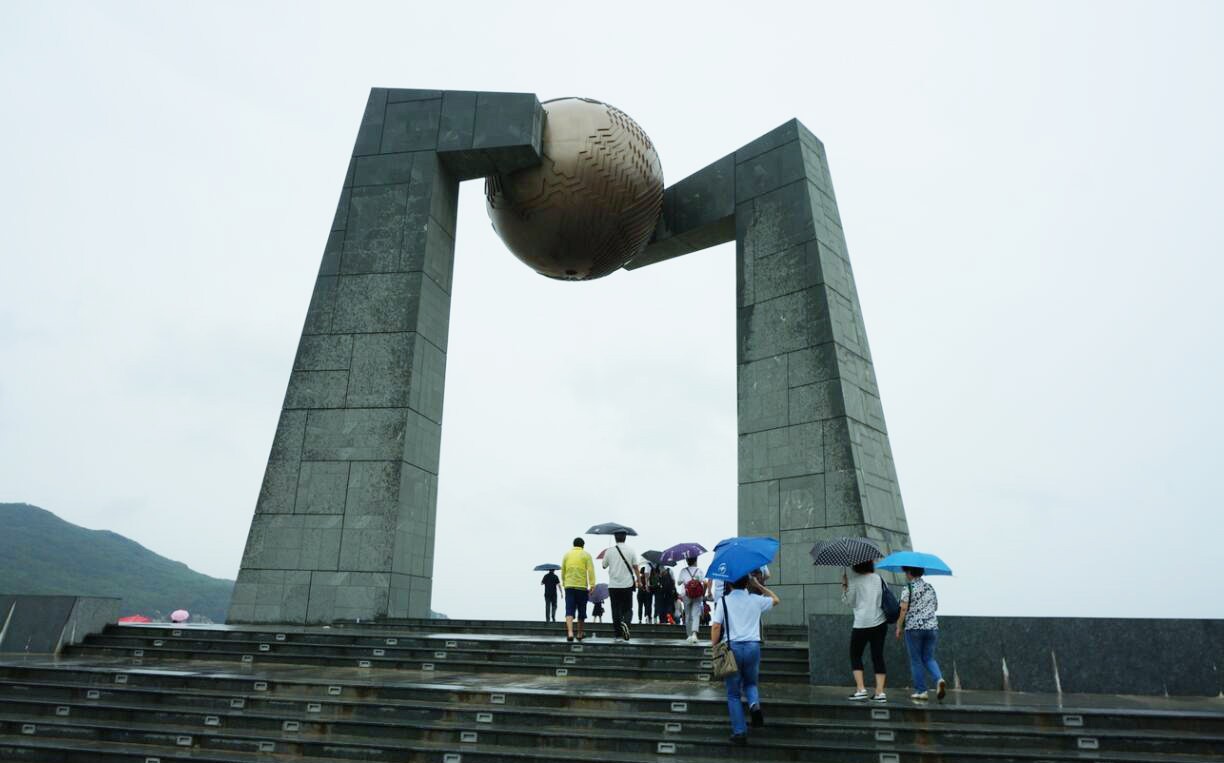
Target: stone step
{"type": "Point", "coordinates": [690, 670]}
{"type": "Point", "coordinates": [772, 630]}
{"type": "Point", "coordinates": [18, 737]}
{"type": "Point", "coordinates": [692, 660]}
{"type": "Point", "coordinates": [135, 638]}
{"type": "Point", "coordinates": [612, 698]}
{"type": "Point", "coordinates": [369, 720]}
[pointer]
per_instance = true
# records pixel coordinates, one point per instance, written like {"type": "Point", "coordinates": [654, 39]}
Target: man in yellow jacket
{"type": "Point", "coordinates": [578, 577]}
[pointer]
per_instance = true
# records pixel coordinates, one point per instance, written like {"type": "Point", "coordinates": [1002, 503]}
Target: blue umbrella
{"type": "Point", "coordinates": [546, 567]}
{"type": "Point", "coordinates": [736, 557]}
{"type": "Point", "coordinates": [682, 551]}
{"type": "Point", "coordinates": [600, 593]}
{"type": "Point", "coordinates": [932, 564]}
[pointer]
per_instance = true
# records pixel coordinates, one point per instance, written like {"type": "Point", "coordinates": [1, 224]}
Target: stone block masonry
{"type": "Point", "coordinates": [814, 458]}
{"type": "Point", "coordinates": [344, 523]}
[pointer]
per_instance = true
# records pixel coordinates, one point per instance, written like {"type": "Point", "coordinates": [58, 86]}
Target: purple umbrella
{"type": "Point", "coordinates": [600, 593]}
{"type": "Point", "coordinates": [682, 551]}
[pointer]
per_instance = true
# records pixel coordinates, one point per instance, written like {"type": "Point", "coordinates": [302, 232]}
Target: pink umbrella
{"type": "Point", "coordinates": [601, 554]}
{"type": "Point", "coordinates": [179, 616]}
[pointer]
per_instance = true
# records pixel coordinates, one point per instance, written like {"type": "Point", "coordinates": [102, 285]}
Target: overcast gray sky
{"type": "Point", "coordinates": [1031, 196]}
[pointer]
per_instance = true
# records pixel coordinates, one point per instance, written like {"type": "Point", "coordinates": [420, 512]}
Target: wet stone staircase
{"type": "Point", "coordinates": [471, 691]}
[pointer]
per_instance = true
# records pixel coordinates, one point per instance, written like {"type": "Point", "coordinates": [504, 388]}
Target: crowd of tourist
{"type": "Point", "coordinates": [734, 608]}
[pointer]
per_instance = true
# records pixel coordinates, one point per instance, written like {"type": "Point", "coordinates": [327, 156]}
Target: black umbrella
{"type": "Point", "coordinates": [546, 567]}
{"type": "Point", "coordinates": [652, 556]}
{"type": "Point", "coordinates": [611, 528]}
{"type": "Point", "coordinates": [845, 552]}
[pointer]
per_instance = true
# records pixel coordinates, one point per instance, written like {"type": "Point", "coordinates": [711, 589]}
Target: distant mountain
{"type": "Point", "coordinates": [41, 553]}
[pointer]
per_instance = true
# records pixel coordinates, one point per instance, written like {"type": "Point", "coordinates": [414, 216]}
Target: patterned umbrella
{"type": "Point", "coordinates": [682, 551]}
{"type": "Point", "coordinates": [611, 528]}
{"type": "Point", "coordinates": [845, 552]}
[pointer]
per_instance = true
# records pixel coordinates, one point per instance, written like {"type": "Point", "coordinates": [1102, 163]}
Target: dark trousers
{"type": "Point", "coordinates": [645, 598]}
{"type": "Point", "coordinates": [665, 604]}
{"type": "Point", "coordinates": [622, 604]}
{"type": "Point", "coordinates": [550, 608]}
{"type": "Point", "coordinates": [861, 637]}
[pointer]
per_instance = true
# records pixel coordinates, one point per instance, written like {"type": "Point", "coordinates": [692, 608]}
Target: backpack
{"type": "Point", "coordinates": [693, 588]}
{"type": "Point", "coordinates": [889, 603]}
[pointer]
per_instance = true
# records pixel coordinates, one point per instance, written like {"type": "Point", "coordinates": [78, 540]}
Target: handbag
{"type": "Point", "coordinates": [722, 662]}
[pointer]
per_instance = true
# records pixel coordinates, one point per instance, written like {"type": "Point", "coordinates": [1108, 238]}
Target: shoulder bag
{"type": "Point", "coordinates": [723, 662]}
{"type": "Point", "coordinates": [632, 574]}
{"type": "Point", "coordinates": [889, 603]}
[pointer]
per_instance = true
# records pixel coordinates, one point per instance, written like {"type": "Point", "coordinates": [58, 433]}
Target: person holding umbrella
{"type": "Point", "coordinates": [621, 563]}
{"type": "Point", "coordinates": [737, 617]}
{"type": "Point", "coordinates": [578, 576]}
{"type": "Point", "coordinates": [551, 583]}
{"type": "Point", "coordinates": [690, 583]}
{"type": "Point", "coordinates": [918, 620]}
{"type": "Point", "coordinates": [864, 593]}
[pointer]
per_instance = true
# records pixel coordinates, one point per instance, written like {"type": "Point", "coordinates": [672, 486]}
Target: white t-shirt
{"type": "Point", "coordinates": [620, 576]}
{"type": "Point", "coordinates": [745, 610]}
{"type": "Point", "coordinates": [864, 593]}
{"type": "Point", "coordinates": [684, 576]}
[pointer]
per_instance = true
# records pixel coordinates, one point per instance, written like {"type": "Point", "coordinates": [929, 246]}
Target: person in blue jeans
{"type": "Point", "coordinates": [737, 616]}
{"type": "Point", "coordinates": [918, 607]}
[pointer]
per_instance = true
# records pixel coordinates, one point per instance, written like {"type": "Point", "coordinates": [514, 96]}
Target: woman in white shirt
{"type": "Point", "coordinates": [692, 604]}
{"type": "Point", "coordinates": [864, 592]}
{"type": "Point", "coordinates": [739, 613]}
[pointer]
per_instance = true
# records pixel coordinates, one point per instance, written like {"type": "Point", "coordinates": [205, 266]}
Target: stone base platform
{"type": "Point", "coordinates": [240, 694]}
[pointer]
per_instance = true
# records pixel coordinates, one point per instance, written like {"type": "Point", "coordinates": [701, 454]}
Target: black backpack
{"type": "Point", "coordinates": [889, 603]}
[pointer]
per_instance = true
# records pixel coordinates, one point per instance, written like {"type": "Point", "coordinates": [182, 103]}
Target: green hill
{"type": "Point", "coordinates": [41, 553]}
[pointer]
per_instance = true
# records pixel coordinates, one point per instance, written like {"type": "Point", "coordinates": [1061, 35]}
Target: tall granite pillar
{"type": "Point", "coordinates": [344, 523]}
{"type": "Point", "coordinates": [814, 458]}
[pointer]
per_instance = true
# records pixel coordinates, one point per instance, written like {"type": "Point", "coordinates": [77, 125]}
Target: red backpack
{"type": "Point", "coordinates": [694, 588]}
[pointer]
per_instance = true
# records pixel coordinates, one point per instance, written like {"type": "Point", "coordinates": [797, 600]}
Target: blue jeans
{"type": "Point", "coordinates": [921, 646]}
{"type": "Point", "coordinates": [748, 657]}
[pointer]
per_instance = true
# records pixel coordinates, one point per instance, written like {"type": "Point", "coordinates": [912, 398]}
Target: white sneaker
{"type": "Point", "coordinates": [692, 639]}
{"type": "Point", "coordinates": [881, 697]}
{"type": "Point", "coordinates": [919, 695]}
{"type": "Point", "coordinates": [859, 696]}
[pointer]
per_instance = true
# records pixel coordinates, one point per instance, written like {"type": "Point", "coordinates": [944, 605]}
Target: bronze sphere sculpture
{"type": "Point", "coordinates": [592, 203]}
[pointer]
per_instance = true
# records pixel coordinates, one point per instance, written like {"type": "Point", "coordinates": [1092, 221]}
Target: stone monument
{"type": "Point", "coordinates": [344, 523]}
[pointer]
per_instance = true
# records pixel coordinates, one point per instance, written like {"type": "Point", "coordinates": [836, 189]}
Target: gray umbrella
{"type": "Point", "coordinates": [611, 528]}
{"type": "Point", "coordinates": [845, 552]}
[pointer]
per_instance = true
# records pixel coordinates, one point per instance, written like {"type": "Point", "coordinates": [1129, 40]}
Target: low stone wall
{"type": "Point", "coordinates": [1045, 654]}
{"type": "Point", "coordinates": [46, 624]}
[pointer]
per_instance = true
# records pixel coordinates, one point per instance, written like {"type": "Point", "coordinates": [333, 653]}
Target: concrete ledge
{"type": "Point", "coordinates": [1046, 654]}
{"type": "Point", "coordinates": [46, 624]}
